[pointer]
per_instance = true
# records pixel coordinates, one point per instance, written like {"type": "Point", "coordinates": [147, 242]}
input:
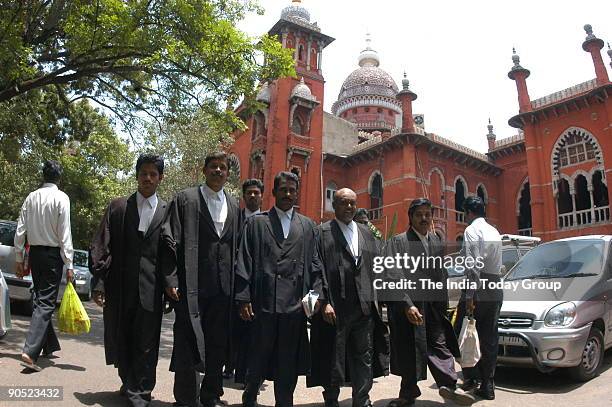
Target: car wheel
{"type": "Point", "coordinates": [592, 357]}
{"type": "Point", "coordinates": [3, 334]}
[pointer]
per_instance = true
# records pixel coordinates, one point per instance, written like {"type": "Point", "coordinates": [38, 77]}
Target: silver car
{"type": "Point", "coordinates": [559, 315]}
{"type": "Point", "coordinates": [82, 277]}
{"type": "Point", "coordinates": [5, 307]}
{"type": "Point", "coordinates": [20, 290]}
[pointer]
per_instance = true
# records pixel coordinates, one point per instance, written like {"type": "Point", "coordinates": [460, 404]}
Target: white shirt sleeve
{"type": "Point", "coordinates": [20, 234]}
{"type": "Point", "coordinates": [64, 232]}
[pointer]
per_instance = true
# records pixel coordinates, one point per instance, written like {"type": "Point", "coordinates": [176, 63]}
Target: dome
{"type": "Point", "coordinates": [368, 79]}
{"type": "Point", "coordinates": [302, 90]}
{"type": "Point", "coordinates": [295, 10]}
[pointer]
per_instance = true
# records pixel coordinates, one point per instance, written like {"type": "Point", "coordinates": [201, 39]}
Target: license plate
{"type": "Point", "coordinates": [511, 341]}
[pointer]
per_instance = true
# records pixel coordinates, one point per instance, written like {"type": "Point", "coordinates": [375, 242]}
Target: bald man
{"type": "Point", "coordinates": [350, 328]}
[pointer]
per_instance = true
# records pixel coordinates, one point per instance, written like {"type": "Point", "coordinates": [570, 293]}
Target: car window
{"type": "Point", "coordinates": [7, 233]}
{"type": "Point", "coordinates": [80, 258]}
{"type": "Point", "coordinates": [560, 259]}
{"type": "Point", "coordinates": [509, 258]}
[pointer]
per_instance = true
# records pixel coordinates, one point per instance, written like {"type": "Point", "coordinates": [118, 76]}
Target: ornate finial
{"type": "Point", "coordinates": [515, 58]}
{"type": "Point", "coordinates": [405, 82]}
{"type": "Point", "coordinates": [490, 127]}
{"type": "Point", "coordinates": [296, 1]}
{"type": "Point", "coordinates": [368, 41]}
{"type": "Point", "coordinates": [589, 30]}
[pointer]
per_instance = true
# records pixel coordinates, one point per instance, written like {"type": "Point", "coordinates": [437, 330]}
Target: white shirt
{"type": "Point", "coordinates": [146, 210]}
{"type": "Point", "coordinates": [285, 219]}
{"type": "Point", "coordinates": [217, 206]}
{"type": "Point", "coordinates": [483, 241]}
{"type": "Point", "coordinates": [45, 221]}
{"type": "Point", "coordinates": [248, 213]}
{"type": "Point", "coordinates": [424, 240]}
{"type": "Point", "coordinates": [351, 235]}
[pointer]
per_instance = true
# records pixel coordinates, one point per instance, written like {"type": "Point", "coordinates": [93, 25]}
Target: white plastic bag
{"type": "Point", "coordinates": [469, 344]}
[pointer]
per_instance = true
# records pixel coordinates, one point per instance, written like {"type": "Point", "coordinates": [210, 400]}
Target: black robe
{"type": "Point", "coordinates": [334, 250]}
{"type": "Point", "coordinates": [107, 262]}
{"type": "Point", "coordinates": [180, 267]}
{"type": "Point", "coordinates": [408, 341]}
{"type": "Point", "coordinates": [274, 274]}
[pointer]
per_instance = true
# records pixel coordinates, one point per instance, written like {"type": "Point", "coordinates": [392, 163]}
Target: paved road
{"type": "Point", "coordinates": [86, 380]}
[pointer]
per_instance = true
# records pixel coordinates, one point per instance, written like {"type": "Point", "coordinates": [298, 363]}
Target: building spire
{"type": "Point", "coordinates": [491, 136]}
{"type": "Point", "coordinates": [405, 82]}
{"type": "Point", "coordinates": [610, 54]}
{"type": "Point", "coordinates": [593, 45]}
{"type": "Point", "coordinates": [519, 75]}
{"type": "Point", "coordinates": [368, 57]}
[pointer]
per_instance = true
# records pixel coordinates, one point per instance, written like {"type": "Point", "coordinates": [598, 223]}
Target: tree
{"type": "Point", "coordinates": [140, 59]}
{"type": "Point", "coordinates": [96, 161]}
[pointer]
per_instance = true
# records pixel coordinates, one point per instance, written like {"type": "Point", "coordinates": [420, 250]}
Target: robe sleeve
{"type": "Point", "coordinates": [317, 270]}
{"type": "Point", "coordinates": [171, 235]}
{"type": "Point", "coordinates": [100, 257]}
{"type": "Point", "coordinates": [244, 264]}
{"type": "Point", "coordinates": [396, 274]}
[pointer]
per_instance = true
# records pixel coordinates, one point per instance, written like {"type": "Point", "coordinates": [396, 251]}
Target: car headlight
{"type": "Point", "coordinates": [560, 315]}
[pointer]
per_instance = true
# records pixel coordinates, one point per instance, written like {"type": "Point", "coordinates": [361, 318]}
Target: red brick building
{"type": "Point", "coordinates": [549, 180]}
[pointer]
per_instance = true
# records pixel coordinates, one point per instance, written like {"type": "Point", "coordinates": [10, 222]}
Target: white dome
{"type": "Point", "coordinates": [295, 10]}
{"type": "Point", "coordinates": [264, 93]}
{"type": "Point", "coordinates": [302, 90]}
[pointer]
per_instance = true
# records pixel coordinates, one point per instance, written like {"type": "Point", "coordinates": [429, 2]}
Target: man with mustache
{"type": "Point", "coordinates": [277, 265]}
{"type": "Point", "coordinates": [124, 259]}
{"type": "Point", "coordinates": [201, 235]}
{"type": "Point", "coordinates": [421, 334]}
{"type": "Point", "coordinates": [348, 338]}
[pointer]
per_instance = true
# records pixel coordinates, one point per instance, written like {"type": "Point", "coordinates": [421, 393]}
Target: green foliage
{"type": "Point", "coordinates": [391, 232]}
{"type": "Point", "coordinates": [141, 59]}
{"type": "Point", "coordinates": [94, 169]}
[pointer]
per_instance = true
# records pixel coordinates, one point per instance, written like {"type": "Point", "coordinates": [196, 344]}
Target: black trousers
{"type": "Point", "coordinates": [47, 265]}
{"type": "Point", "coordinates": [440, 360]}
{"type": "Point", "coordinates": [214, 317]}
{"type": "Point", "coordinates": [275, 347]}
{"type": "Point", "coordinates": [488, 305]}
{"type": "Point", "coordinates": [138, 362]}
{"type": "Point", "coordinates": [354, 345]}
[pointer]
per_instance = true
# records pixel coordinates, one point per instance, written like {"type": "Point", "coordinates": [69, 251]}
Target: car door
{"type": "Point", "coordinates": [607, 297]}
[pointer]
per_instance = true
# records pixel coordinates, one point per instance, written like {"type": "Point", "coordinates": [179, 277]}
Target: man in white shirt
{"type": "Point", "coordinates": [348, 339]}
{"type": "Point", "coordinates": [201, 233]}
{"type": "Point", "coordinates": [482, 242]}
{"type": "Point", "coordinates": [44, 221]}
{"type": "Point", "coordinates": [125, 260]}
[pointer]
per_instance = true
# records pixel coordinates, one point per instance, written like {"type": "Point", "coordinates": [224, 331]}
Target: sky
{"type": "Point", "coordinates": [457, 54]}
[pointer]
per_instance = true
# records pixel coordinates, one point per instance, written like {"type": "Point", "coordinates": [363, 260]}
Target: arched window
{"type": "Point", "coordinates": [482, 194]}
{"type": "Point", "coordinates": [524, 211]}
{"type": "Point", "coordinates": [301, 52]}
{"type": "Point", "coordinates": [314, 63]}
{"type": "Point", "coordinates": [376, 196]}
{"type": "Point", "coordinates": [460, 192]}
{"type": "Point", "coordinates": [329, 196]}
{"type": "Point", "coordinates": [297, 127]}
{"type": "Point", "coordinates": [600, 190]}
{"type": "Point", "coordinates": [576, 150]}
{"type": "Point", "coordinates": [234, 169]}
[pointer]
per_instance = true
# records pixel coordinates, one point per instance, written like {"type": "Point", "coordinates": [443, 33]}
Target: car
{"type": "Point", "coordinates": [5, 307]}
{"type": "Point", "coordinates": [513, 248]}
{"type": "Point", "coordinates": [565, 323]}
{"type": "Point", "coordinates": [82, 277]}
{"type": "Point", "coordinates": [20, 290]}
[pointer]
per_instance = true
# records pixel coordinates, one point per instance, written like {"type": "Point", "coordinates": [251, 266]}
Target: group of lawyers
{"type": "Point", "coordinates": [236, 279]}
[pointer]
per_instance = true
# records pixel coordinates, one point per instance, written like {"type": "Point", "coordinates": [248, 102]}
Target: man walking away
{"type": "Point", "coordinates": [124, 257]}
{"type": "Point", "coordinates": [482, 241]}
{"type": "Point", "coordinates": [44, 222]}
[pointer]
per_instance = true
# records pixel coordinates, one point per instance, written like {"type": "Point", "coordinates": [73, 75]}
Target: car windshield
{"type": "Point", "coordinates": [562, 259]}
{"type": "Point", "coordinates": [7, 233]}
{"type": "Point", "coordinates": [80, 258]}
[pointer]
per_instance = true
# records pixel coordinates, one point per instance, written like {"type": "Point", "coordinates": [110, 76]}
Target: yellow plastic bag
{"type": "Point", "coordinates": [72, 318]}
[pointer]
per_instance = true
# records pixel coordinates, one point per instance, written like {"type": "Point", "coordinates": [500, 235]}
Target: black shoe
{"type": "Point", "coordinates": [228, 374]}
{"type": "Point", "coordinates": [399, 402]}
{"type": "Point", "coordinates": [486, 390]}
{"type": "Point", "coordinates": [213, 403]}
{"type": "Point", "coordinates": [470, 384]}
{"type": "Point", "coordinates": [331, 403]}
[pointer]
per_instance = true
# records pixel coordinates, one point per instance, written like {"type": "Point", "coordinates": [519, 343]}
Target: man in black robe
{"type": "Point", "coordinates": [349, 329]}
{"type": "Point", "coordinates": [277, 266]}
{"type": "Point", "coordinates": [421, 334]}
{"type": "Point", "coordinates": [200, 233]}
{"type": "Point", "coordinates": [124, 260]}
{"type": "Point", "coordinates": [252, 194]}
